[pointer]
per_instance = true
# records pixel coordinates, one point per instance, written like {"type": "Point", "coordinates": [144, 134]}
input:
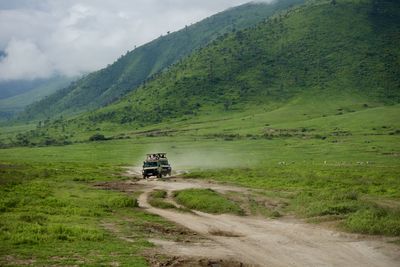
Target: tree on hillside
{"type": "Point", "coordinates": [227, 104]}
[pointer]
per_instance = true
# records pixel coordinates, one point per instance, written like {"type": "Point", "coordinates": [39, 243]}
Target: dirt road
{"type": "Point", "coordinates": [265, 242]}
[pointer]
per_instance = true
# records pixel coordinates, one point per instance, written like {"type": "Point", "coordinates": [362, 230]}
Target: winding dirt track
{"type": "Point", "coordinates": [266, 242]}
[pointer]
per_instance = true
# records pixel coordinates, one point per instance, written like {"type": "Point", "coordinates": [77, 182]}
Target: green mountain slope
{"type": "Point", "coordinates": [109, 84]}
{"type": "Point", "coordinates": [350, 49]}
{"type": "Point", "coordinates": [313, 71]}
{"type": "Point", "coordinates": [11, 105]}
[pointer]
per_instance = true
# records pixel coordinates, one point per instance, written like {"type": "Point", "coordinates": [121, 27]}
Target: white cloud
{"type": "Point", "coordinates": [24, 59]}
{"type": "Point", "coordinates": [70, 37]}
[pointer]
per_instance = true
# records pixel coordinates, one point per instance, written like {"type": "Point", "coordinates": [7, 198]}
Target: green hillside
{"type": "Point", "coordinates": [10, 106]}
{"type": "Point", "coordinates": [318, 65]}
{"type": "Point", "coordinates": [346, 54]}
{"type": "Point", "coordinates": [135, 67]}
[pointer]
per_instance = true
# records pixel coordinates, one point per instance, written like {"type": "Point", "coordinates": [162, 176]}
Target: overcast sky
{"type": "Point", "coordinates": [70, 37]}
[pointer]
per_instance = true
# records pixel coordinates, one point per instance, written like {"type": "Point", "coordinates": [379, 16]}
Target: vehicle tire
{"type": "Point", "coordinates": [144, 176]}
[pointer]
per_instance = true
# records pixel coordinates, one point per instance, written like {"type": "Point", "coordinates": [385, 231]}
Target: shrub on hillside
{"type": "Point", "coordinates": [97, 137]}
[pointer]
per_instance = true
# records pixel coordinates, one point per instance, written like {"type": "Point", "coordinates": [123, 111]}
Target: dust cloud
{"type": "Point", "coordinates": [202, 158]}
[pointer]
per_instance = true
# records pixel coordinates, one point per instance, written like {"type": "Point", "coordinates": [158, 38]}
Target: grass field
{"type": "Point", "coordinates": [340, 166]}
{"type": "Point", "coordinates": [50, 212]}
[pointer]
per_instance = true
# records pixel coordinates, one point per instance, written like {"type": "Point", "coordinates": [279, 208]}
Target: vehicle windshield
{"type": "Point", "coordinates": [164, 162]}
{"type": "Point", "coordinates": [150, 164]}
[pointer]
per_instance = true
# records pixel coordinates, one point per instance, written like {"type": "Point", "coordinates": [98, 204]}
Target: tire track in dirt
{"type": "Point", "coordinates": [267, 242]}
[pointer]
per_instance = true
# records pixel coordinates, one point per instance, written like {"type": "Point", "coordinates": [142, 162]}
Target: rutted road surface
{"type": "Point", "coordinates": [265, 242]}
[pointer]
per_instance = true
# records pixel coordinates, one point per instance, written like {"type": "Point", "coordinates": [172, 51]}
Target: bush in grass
{"type": "Point", "coordinates": [207, 200]}
{"type": "Point", "coordinates": [97, 137]}
{"type": "Point", "coordinates": [331, 208]}
{"type": "Point", "coordinates": [375, 221]}
{"type": "Point", "coordinates": [20, 195]}
{"type": "Point", "coordinates": [33, 218]}
{"type": "Point", "coordinates": [160, 203]}
{"type": "Point", "coordinates": [158, 194]}
{"type": "Point", "coordinates": [275, 214]}
{"type": "Point", "coordinates": [8, 203]}
{"type": "Point", "coordinates": [347, 195]}
{"type": "Point", "coordinates": [157, 199]}
{"type": "Point", "coordinates": [120, 202]}
{"type": "Point", "coordinates": [26, 233]}
{"type": "Point", "coordinates": [328, 202]}
{"type": "Point", "coordinates": [71, 233]}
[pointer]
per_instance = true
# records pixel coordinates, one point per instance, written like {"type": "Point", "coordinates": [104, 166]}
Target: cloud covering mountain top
{"type": "Point", "coordinates": [41, 38]}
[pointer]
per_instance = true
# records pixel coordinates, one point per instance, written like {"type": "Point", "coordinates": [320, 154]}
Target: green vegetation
{"type": "Point", "coordinates": [206, 200]}
{"type": "Point", "coordinates": [300, 53]}
{"type": "Point", "coordinates": [299, 74]}
{"type": "Point", "coordinates": [303, 107]}
{"type": "Point", "coordinates": [261, 203]}
{"type": "Point", "coordinates": [47, 194]}
{"type": "Point", "coordinates": [47, 218]}
{"type": "Point", "coordinates": [145, 63]}
{"type": "Point", "coordinates": [157, 199]}
{"type": "Point", "coordinates": [50, 213]}
{"type": "Point", "coordinates": [374, 220]}
{"type": "Point", "coordinates": [97, 137]}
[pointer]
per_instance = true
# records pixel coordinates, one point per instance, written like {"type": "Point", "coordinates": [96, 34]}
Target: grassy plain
{"type": "Point", "coordinates": [50, 212]}
{"type": "Point", "coordinates": [336, 162]}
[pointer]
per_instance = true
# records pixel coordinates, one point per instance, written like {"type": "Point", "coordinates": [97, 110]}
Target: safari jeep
{"type": "Point", "coordinates": [156, 165]}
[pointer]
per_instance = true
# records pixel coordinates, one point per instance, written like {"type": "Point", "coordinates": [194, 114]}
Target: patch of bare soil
{"type": "Point", "coordinates": [253, 241]}
{"type": "Point", "coordinates": [177, 261]}
{"type": "Point", "coordinates": [14, 261]}
{"type": "Point", "coordinates": [254, 204]}
{"type": "Point", "coordinates": [219, 232]}
{"type": "Point", "coordinates": [197, 254]}
{"type": "Point", "coordinates": [190, 262]}
{"type": "Point", "coordinates": [176, 233]}
{"type": "Point", "coordinates": [122, 186]}
{"type": "Point", "coordinates": [111, 227]}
